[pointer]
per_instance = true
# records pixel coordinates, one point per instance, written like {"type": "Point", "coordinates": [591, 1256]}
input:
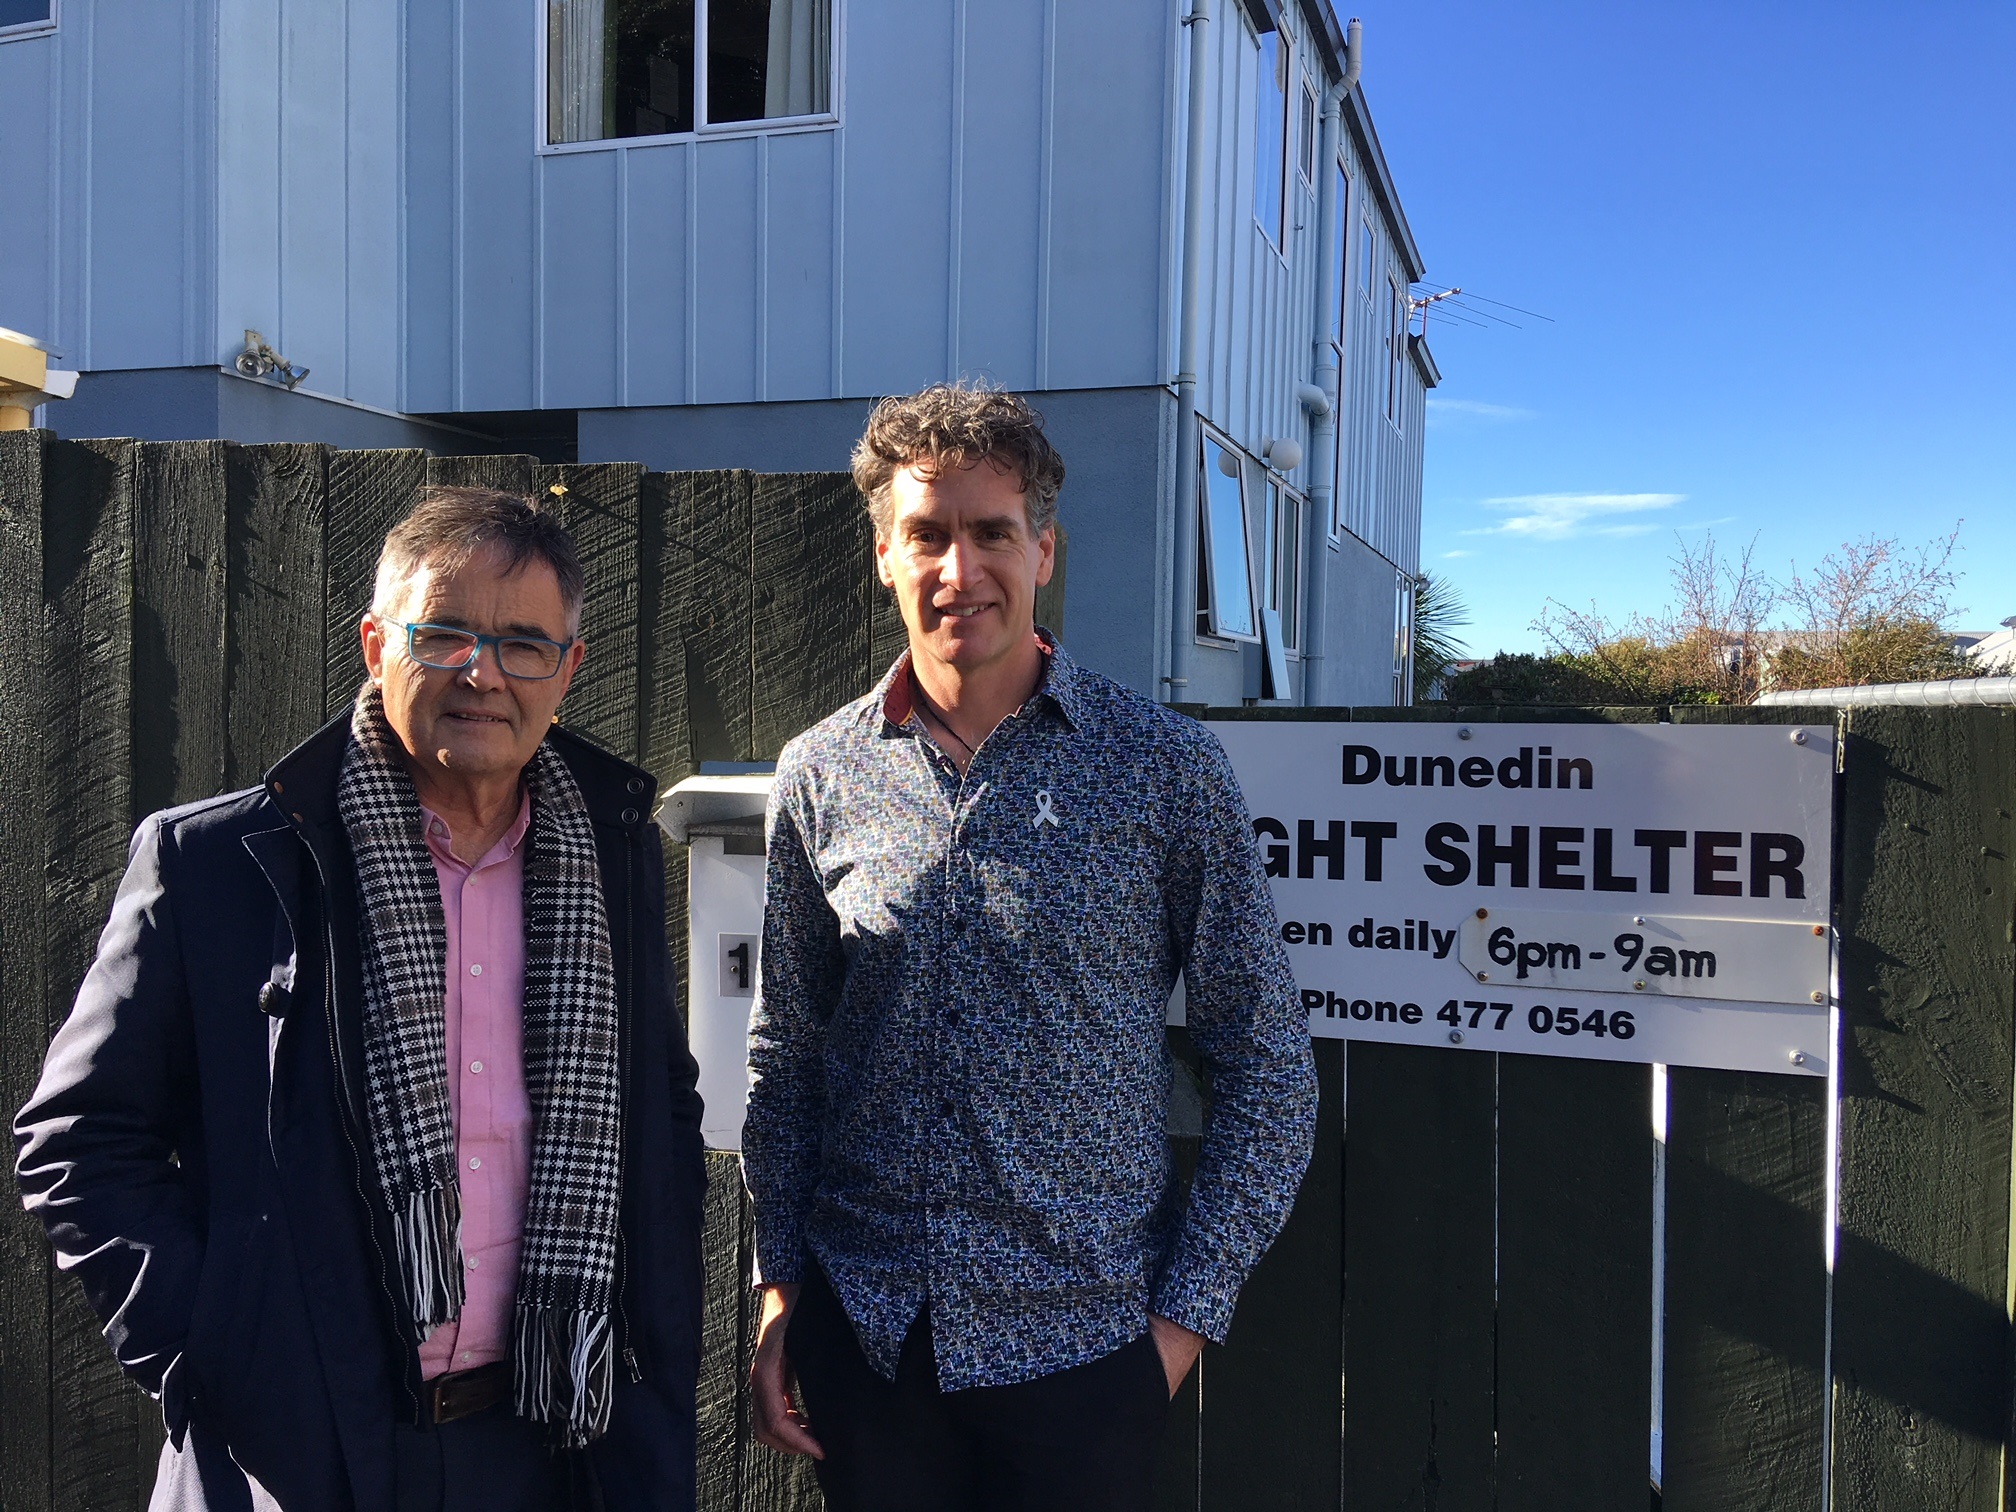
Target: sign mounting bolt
{"type": "Point", "coordinates": [1798, 1057]}
{"type": "Point", "coordinates": [1798, 737]}
{"type": "Point", "coordinates": [1819, 929]}
{"type": "Point", "coordinates": [1637, 986]}
{"type": "Point", "coordinates": [1819, 997]}
{"type": "Point", "coordinates": [1463, 732]}
{"type": "Point", "coordinates": [1455, 1036]}
{"type": "Point", "coordinates": [1483, 976]}
{"type": "Point", "coordinates": [1483, 913]}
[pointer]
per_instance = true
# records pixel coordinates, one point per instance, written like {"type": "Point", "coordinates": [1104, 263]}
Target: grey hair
{"type": "Point", "coordinates": [449, 526]}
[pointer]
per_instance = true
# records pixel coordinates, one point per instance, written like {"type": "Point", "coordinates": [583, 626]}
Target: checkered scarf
{"type": "Point", "coordinates": [562, 1345]}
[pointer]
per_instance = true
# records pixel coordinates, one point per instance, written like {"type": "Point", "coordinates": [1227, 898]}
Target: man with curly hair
{"type": "Point", "coordinates": [983, 880]}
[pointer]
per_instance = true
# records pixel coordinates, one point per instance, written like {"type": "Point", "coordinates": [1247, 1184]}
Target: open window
{"type": "Point", "coordinates": [26, 18]}
{"type": "Point", "coordinates": [1225, 605]}
{"type": "Point", "coordinates": [1282, 558]}
{"type": "Point", "coordinates": [645, 68]}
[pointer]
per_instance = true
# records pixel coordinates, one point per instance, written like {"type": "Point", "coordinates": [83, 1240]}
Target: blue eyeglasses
{"type": "Point", "coordinates": [530, 658]}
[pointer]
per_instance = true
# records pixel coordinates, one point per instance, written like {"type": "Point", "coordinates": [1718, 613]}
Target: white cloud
{"type": "Point", "coordinates": [1455, 411]}
{"type": "Point", "coordinates": [1452, 555]}
{"type": "Point", "coordinates": [1567, 517]}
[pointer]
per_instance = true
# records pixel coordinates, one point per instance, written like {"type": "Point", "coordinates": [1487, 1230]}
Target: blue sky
{"type": "Point", "coordinates": [1777, 241]}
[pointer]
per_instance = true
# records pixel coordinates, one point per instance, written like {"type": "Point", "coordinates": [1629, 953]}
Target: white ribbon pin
{"type": "Point", "coordinates": [1044, 813]}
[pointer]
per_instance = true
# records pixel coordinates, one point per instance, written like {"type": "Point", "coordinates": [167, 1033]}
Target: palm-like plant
{"type": "Point", "coordinates": [1438, 614]}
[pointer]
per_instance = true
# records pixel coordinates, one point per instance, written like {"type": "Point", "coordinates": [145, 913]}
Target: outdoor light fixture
{"type": "Point", "coordinates": [259, 360]}
{"type": "Point", "coordinates": [1282, 453]}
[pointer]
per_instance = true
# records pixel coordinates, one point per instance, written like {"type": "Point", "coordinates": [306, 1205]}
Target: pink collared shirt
{"type": "Point", "coordinates": [484, 906]}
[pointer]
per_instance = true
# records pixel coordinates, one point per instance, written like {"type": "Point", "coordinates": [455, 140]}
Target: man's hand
{"type": "Point", "coordinates": [778, 1423]}
{"type": "Point", "coordinates": [1178, 1346]}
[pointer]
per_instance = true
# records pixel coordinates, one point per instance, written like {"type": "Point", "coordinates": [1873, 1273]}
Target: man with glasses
{"type": "Point", "coordinates": [373, 1133]}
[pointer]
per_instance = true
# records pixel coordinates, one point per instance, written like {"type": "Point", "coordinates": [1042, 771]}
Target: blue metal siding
{"type": "Point", "coordinates": [28, 133]}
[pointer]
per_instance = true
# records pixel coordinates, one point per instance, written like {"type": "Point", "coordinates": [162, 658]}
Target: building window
{"type": "Point", "coordinates": [642, 68]}
{"type": "Point", "coordinates": [1403, 640]}
{"type": "Point", "coordinates": [26, 18]}
{"type": "Point", "coordinates": [1283, 557]}
{"type": "Point", "coordinates": [1368, 255]}
{"type": "Point", "coordinates": [1396, 349]}
{"type": "Point", "coordinates": [1270, 136]}
{"type": "Point", "coordinates": [1225, 572]}
{"type": "Point", "coordinates": [1309, 140]}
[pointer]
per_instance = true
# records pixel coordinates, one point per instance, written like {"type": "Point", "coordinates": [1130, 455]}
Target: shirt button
{"type": "Point", "coordinates": [475, 1162]}
{"type": "Point", "coordinates": [476, 1066]}
{"type": "Point", "coordinates": [474, 1262]}
{"type": "Point", "coordinates": [465, 1354]}
{"type": "Point", "coordinates": [475, 971]}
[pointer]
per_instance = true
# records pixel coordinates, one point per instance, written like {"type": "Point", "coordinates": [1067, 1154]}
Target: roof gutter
{"type": "Point", "coordinates": [1183, 633]}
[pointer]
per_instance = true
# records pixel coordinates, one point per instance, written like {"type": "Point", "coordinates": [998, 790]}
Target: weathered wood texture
{"type": "Point", "coordinates": [1574, 1283]}
{"type": "Point", "coordinates": [1420, 1230]}
{"type": "Point", "coordinates": [99, 1438]}
{"type": "Point", "coordinates": [1276, 1388]}
{"type": "Point", "coordinates": [1921, 1346]}
{"type": "Point", "coordinates": [25, 970]}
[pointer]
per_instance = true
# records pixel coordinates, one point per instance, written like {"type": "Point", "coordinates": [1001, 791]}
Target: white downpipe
{"type": "Point", "coordinates": [1323, 432]}
{"type": "Point", "coordinates": [1183, 637]}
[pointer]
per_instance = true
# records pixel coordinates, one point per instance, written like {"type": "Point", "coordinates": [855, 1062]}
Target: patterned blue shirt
{"type": "Point", "coordinates": [959, 1084]}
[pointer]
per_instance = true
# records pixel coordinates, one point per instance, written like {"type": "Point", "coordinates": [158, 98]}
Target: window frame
{"type": "Point", "coordinates": [22, 31]}
{"type": "Point", "coordinates": [1282, 560]}
{"type": "Point", "coordinates": [1277, 243]}
{"type": "Point", "coordinates": [1340, 341]}
{"type": "Point", "coordinates": [1209, 625]}
{"type": "Point", "coordinates": [1397, 321]}
{"type": "Point", "coordinates": [702, 131]}
{"type": "Point", "coordinates": [1309, 149]}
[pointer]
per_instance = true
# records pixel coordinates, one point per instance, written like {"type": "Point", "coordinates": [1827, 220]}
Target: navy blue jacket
{"type": "Point", "coordinates": [198, 1151]}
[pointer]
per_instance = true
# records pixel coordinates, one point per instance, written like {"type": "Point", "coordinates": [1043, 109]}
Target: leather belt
{"type": "Point", "coordinates": [464, 1393]}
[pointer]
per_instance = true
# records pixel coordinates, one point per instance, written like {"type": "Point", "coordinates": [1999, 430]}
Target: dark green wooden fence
{"type": "Point", "coordinates": [1477, 1335]}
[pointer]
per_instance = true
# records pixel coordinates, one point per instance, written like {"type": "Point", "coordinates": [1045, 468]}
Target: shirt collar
{"type": "Point", "coordinates": [440, 837]}
{"type": "Point", "coordinates": [1060, 684]}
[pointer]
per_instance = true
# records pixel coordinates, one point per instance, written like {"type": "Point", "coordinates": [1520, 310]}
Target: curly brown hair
{"type": "Point", "coordinates": [955, 425]}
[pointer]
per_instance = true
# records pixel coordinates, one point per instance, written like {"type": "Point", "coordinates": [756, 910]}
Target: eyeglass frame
{"type": "Point", "coordinates": [476, 654]}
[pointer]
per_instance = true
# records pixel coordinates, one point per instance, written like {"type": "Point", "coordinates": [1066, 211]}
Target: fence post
{"type": "Point", "coordinates": [1921, 1363]}
{"type": "Point", "coordinates": [25, 1470]}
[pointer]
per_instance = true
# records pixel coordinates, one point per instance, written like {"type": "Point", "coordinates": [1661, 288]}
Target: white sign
{"type": "Point", "coordinates": [1614, 892]}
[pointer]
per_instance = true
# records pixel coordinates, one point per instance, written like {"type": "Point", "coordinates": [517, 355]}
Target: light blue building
{"type": "Point", "coordinates": [707, 233]}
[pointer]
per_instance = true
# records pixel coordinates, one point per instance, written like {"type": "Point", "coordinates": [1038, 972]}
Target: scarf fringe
{"type": "Point", "coordinates": [563, 1372]}
{"type": "Point", "coordinates": [427, 1227]}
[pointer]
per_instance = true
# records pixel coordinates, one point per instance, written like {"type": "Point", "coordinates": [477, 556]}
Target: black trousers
{"type": "Point", "coordinates": [492, 1461]}
{"type": "Point", "coordinates": [1086, 1437]}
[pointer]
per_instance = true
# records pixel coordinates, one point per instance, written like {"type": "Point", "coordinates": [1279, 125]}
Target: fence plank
{"type": "Point", "coordinates": [1276, 1388]}
{"type": "Point", "coordinates": [720, 1387]}
{"type": "Point", "coordinates": [179, 613]}
{"type": "Point", "coordinates": [1921, 1331]}
{"type": "Point", "coordinates": [367, 493]}
{"type": "Point", "coordinates": [1745, 1392]}
{"type": "Point", "coordinates": [87, 582]}
{"type": "Point", "coordinates": [813, 570]}
{"type": "Point", "coordinates": [513, 474]}
{"type": "Point", "coordinates": [278, 499]}
{"type": "Point", "coordinates": [600, 507]}
{"type": "Point", "coordinates": [25, 1470]}
{"type": "Point", "coordinates": [717, 621]}
{"type": "Point", "coordinates": [1575, 1283]}
{"type": "Point", "coordinates": [766, 1480]}
{"type": "Point", "coordinates": [1418, 1300]}
{"type": "Point", "coordinates": [1745, 1337]}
